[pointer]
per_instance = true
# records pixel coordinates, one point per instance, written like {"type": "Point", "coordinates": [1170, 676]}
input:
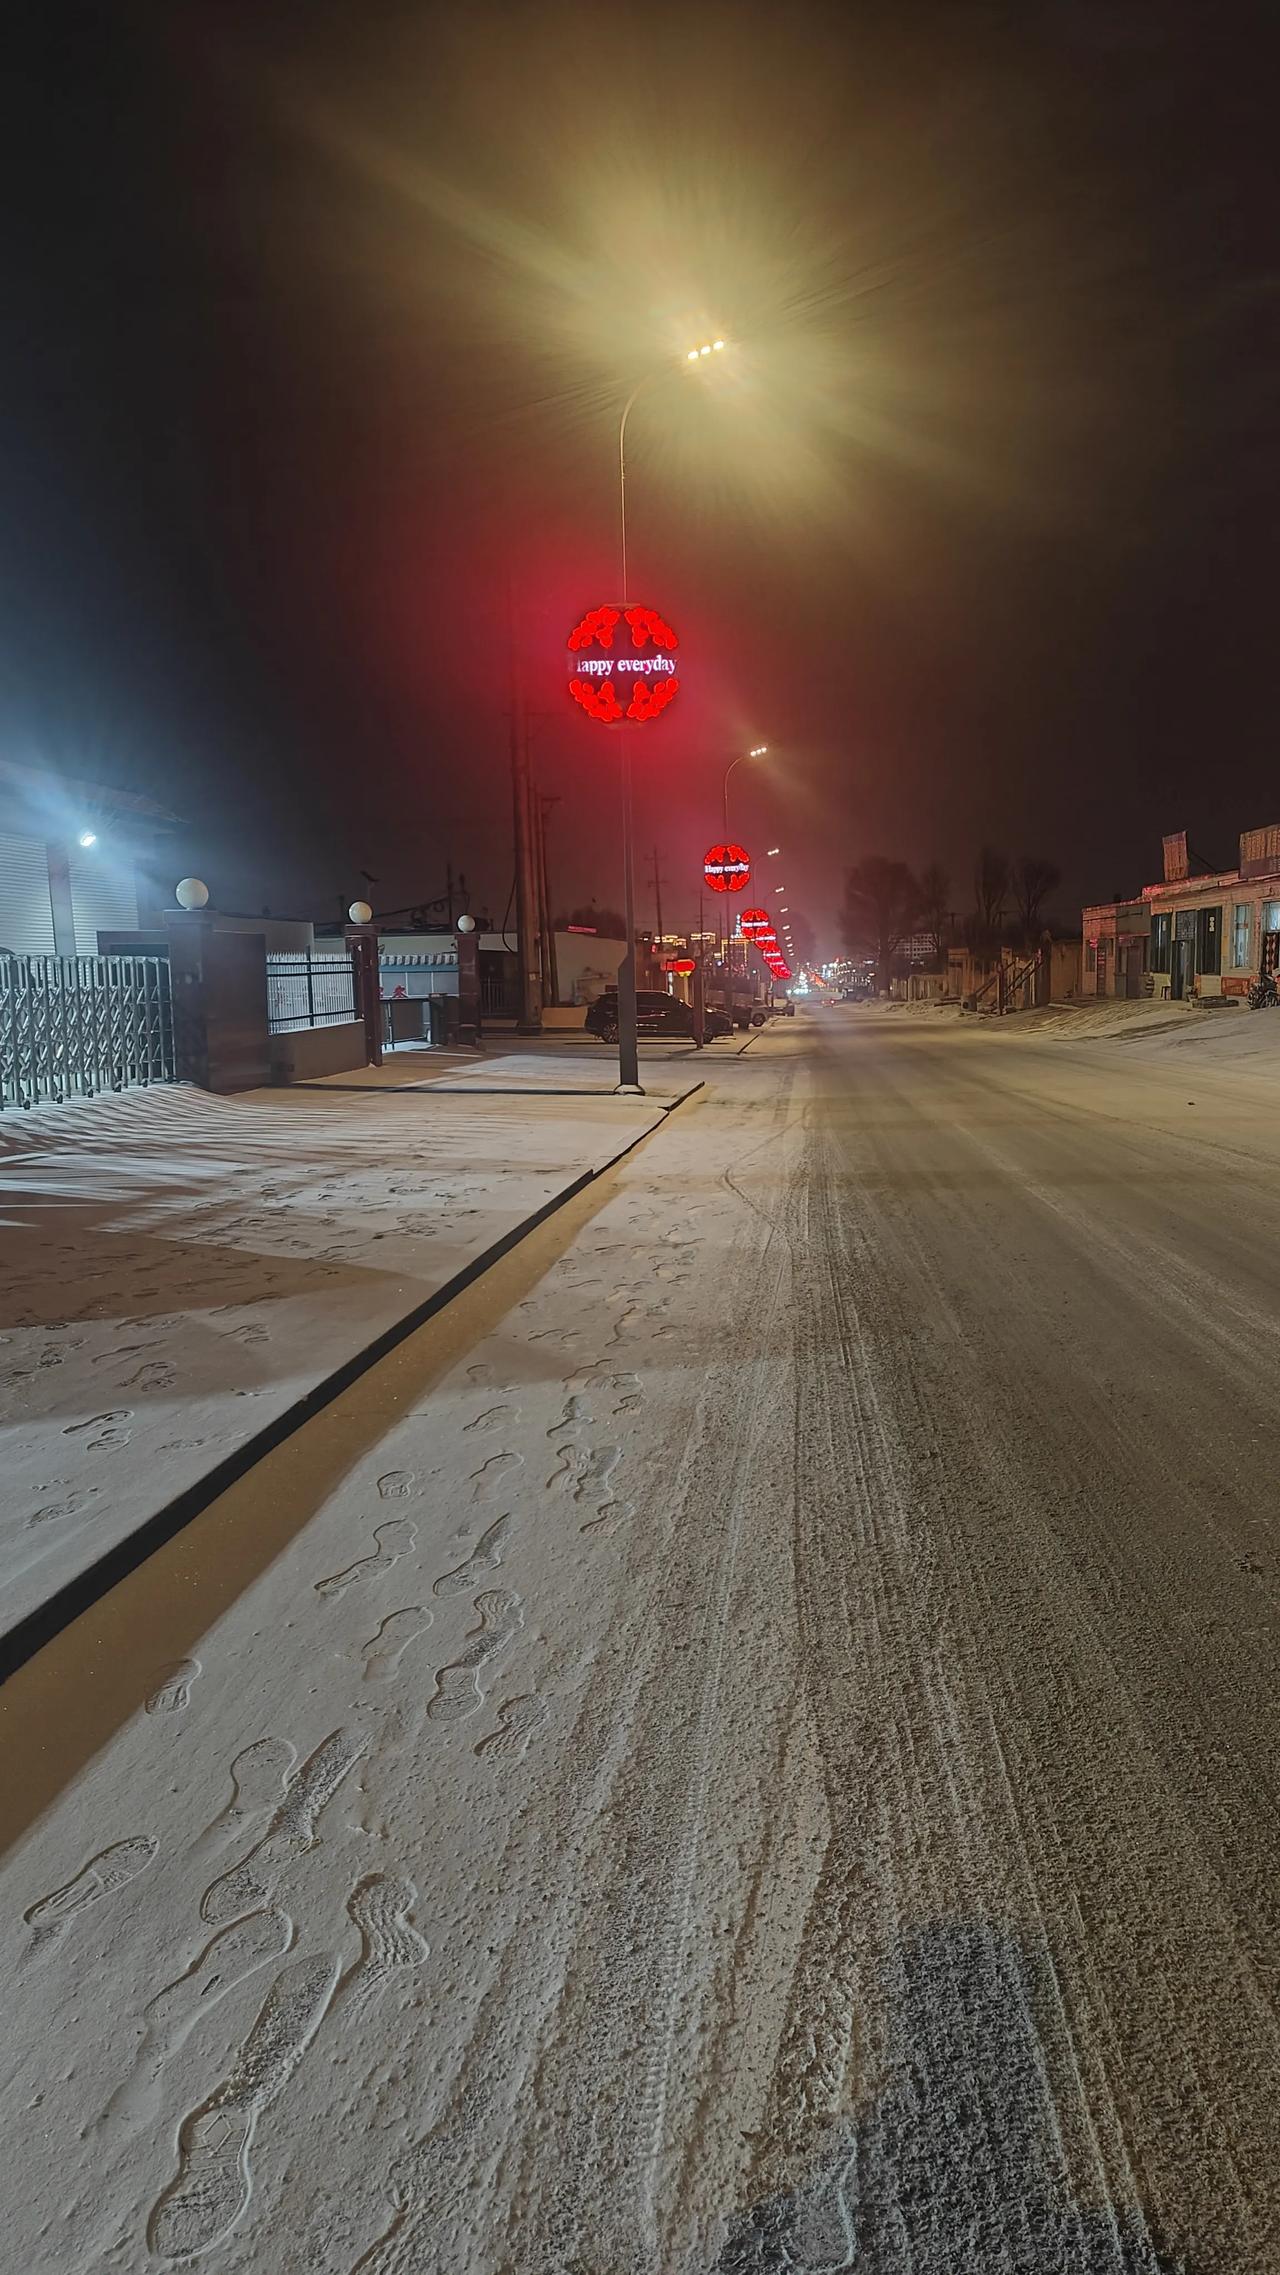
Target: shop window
{"type": "Point", "coordinates": [1161, 937]}
{"type": "Point", "coordinates": [1240, 925]}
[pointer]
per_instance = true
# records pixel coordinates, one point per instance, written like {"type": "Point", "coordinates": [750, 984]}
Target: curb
{"type": "Point", "coordinates": [78, 1595]}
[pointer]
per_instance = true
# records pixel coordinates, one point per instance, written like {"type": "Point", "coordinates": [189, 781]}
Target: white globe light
{"type": "Point", "coordinates": [466, 924]}
{"type": "Point", "coordinates": [360, 912]}
{"type": "Point", "coordinates": [192, 894]}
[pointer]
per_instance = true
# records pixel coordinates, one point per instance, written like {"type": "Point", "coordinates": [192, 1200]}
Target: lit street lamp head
{"type": "Point", "coordinates": [711, 347]}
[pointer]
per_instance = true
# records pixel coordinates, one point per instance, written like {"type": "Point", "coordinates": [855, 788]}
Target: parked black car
{"type": "Point", "coordinates": [655, 1015]}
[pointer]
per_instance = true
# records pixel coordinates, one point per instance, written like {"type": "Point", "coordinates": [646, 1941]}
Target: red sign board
{"type": "Point", "coordinates": [727, 868]}
{"type": "Point", "coordinates": [682, 964]}
{"type": "Point", "coordinates": [622, 664]}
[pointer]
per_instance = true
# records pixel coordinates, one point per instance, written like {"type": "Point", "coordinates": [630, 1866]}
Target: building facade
{"type": "Point", "coordinates": [1200, 937]}
{"type": "Point", "coordinates": [69, 861]}
{"type": "Point", "coordinates": [1114, 948]}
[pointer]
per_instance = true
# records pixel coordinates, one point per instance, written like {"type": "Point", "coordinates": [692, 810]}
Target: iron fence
{"type": "Point", "coordinates": [74, 1025]}
{"type": "Point", "coordinates": [310, 990]}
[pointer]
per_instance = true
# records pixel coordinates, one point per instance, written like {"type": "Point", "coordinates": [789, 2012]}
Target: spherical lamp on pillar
{"type": "Point", "coordinates": [360, 913]}
{"type": "Point", "coordinates": [191, 894]}
{"type": "Point", "coordinates": [469, 1023]}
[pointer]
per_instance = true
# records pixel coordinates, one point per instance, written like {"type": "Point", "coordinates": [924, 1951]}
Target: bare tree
{"type": "Point", "coordinates": [1033, 880]}
{"type": "Point", "coordinates": [935, 899]}
{"type": "Point", "coordinates": [990, 895]}
{"type": "Point", "coordinates": [881, 904]}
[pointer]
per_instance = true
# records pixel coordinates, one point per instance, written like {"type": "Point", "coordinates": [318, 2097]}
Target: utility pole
{"type": "Point", "coordinates": [529, 1014]}
{"type": "Point", "coordinates": [544, 801]}
{"type": "Point", "coordinates": [657, 891]}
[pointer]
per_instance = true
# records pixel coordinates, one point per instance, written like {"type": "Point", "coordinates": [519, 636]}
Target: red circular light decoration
{"type": "Point", "coordinates": [727, 868]}
{"type": "Point", "coordinates": [682, 964]}
{"type": "Point", "coordinates": [637, 684]}
{"type": "Point", "coordinates": [754, 922]}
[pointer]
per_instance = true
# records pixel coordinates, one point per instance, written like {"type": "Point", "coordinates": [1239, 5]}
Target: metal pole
{"type": "Point", "coordinates": [544, 807]}
{"type": "Point", "coordinates": [622, 484]}
{"type": "Point", "coordinates": [628, 1047]}
{"type": "Point", "coordinates": [529, 1016]}
{"type": "Point", "coordinates": [539, 816]}
{"type": "Point", "coordinates": [657, 890]}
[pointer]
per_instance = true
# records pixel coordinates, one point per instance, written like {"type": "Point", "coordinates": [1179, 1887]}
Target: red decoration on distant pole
{"type": "Point", "coordinates": [682, 964]}
{"type": "Point", "coordinates": [727, 869]}
{"type": "Point", "coordinates": [637, 681]}
{"type": "Point", "coordinates": [754, 923]}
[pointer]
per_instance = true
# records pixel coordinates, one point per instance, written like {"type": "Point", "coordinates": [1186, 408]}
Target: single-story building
{"type": "Point", "coordinates": [1205, 936]}
{"type": "Point", "coordinates": [70, 859]}
{"type": "Point", "coordinates": [1114, 948]}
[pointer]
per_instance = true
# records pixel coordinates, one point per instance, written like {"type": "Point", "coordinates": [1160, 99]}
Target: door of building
{"type": "Point", "coordinates": [1133, 970]}
{"type": "Point", "coordinates": [1183, 953]}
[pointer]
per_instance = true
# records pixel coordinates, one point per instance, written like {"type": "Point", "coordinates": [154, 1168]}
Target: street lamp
{"type": "Point", "coordinates": [760, 751]}
{"type": "Point", "coordinates": [628, 1047]}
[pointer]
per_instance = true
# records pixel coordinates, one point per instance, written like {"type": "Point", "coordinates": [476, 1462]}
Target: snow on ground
{"type": "Point", "coordinates": [749, 1748]}
{"type": "Point", "coordinates": [179, 1270]}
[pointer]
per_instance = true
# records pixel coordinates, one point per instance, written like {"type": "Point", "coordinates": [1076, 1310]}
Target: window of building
{"type": "Point", "coordinates": [1090, 958]}
{"type": "Point", "coordinates": [1161, 937]}
{"type": "Point", "coordinates": [1240, 916]}
{"type": "Point", "coordinates": [1208, 939]}
{"type": "Point", "coordinates": [1271, 916]}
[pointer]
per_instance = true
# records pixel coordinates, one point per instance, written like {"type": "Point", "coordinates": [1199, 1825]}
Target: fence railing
{"type": "Point", "coordinates": [310, 990]}
{"type": "Point", "coordinates": [74, 1025]}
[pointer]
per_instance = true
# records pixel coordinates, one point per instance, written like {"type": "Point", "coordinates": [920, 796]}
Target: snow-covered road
{"type": "Point", "coordinates": [748, 1744]}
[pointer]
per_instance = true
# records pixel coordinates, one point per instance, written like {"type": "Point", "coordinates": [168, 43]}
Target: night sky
{"type": "Point", "coordinates": [317, 322]}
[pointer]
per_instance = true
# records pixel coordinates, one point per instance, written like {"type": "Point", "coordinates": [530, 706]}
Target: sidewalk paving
{"type": "Point", "coordinates": [186, 1277]}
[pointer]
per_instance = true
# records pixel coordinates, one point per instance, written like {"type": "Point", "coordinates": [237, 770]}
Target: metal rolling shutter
{"type": "Point", "coordinates": [103, 899]}
{"type": "Point", "coordinates": [26, 911]}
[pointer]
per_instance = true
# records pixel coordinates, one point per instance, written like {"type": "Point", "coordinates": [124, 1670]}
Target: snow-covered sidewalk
{"type": "Point", "coordinates": [186, 1275]}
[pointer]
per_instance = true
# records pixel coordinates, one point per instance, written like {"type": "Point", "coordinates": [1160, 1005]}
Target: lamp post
{"type": "Point", "coordinates": [760, 751]}
{"type": "Point", "coordinates": [628, 1047]}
